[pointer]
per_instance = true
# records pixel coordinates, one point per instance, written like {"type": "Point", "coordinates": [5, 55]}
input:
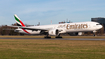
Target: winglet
{"type": "Point", "coordinates": [18, 21]}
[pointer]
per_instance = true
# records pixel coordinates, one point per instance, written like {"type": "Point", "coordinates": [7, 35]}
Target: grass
{"type": "Point", "coordinates": [51, 49]}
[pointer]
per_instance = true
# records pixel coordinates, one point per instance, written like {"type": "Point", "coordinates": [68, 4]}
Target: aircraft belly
{"type": "Point", "coordinates": [34, 32]}
{"type": "Point", "coordinates": [29, 32]}
{"type": "Point", "coordinates": [79, 30]}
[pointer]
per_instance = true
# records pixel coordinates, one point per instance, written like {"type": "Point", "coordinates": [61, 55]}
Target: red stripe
{"type": "Point", "coordinates": [23, 26]}
{"type": "Point", "coordinates": [25, 31]}
{"type": "Point", "coordinates": [22, 23]}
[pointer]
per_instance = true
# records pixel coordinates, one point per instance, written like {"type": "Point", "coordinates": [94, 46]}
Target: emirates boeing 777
{"type": "Point", "coordinates": [57, 29]}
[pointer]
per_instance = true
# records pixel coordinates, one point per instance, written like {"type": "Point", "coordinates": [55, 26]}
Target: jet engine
{"type": "Point", "coordinates": [54, 32]}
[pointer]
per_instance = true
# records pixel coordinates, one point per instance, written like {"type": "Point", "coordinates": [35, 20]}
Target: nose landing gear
{"type": "Point", "coordinates": [94, 33]}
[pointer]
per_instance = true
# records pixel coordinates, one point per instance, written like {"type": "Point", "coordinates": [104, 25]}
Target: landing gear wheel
{"type": "Point", "coordinates": [94, 33]}
{"type": "Point", "coordinates": [58, 36]}
{"type": "Point", "coordinates": [47, 36]}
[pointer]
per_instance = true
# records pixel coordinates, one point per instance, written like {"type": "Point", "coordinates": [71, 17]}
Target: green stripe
{"type": "Point", "coordinates": [17, 19]}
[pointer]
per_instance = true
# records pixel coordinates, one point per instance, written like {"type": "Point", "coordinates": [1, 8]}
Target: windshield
{"type": "Point", "coordinates": [98, 24]}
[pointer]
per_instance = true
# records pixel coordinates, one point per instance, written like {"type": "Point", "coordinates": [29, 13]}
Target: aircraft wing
{"type": "Point", "coordinates": [14, 26]}
{"type": "Point", "coordinates": [32, 28]}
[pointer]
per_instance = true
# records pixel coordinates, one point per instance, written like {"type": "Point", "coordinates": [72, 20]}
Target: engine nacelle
{"type": "Point", "coordinates": [54, 32]}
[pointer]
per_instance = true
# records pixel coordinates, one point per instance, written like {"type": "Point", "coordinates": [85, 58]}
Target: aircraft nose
{"type": "Point", "coordinates": [101, 26]}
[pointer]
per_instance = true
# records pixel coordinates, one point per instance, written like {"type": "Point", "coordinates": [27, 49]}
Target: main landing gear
{"type": "Point", "coordinates": [47, 36]}
{"type": "Point", "coordinates": [58, 36]}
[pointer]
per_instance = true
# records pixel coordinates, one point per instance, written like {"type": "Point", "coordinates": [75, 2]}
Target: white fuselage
{"type": "Point", "coordinates": [65, 28]}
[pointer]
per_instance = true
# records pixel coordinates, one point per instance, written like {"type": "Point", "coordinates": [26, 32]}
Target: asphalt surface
{"type": "Point", "coordinates": [54, 38]}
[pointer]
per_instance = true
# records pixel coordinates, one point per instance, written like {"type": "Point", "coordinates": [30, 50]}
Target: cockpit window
{"type": "Point", "coordinates": [98, 24]}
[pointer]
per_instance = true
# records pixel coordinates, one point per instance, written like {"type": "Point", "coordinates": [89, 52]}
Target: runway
{"type": "Point", "coordinates": [54, 38]}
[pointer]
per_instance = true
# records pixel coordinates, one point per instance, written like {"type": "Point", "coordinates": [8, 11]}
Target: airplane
{"type": "Point", "coordinates": [57, 29]}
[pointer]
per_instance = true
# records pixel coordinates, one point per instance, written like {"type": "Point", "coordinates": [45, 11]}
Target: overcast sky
{"type": "Point", "coordinates": [43, 11]}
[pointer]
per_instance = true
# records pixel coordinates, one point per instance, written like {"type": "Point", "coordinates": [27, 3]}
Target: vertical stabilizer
{"type": "Point", "coordinates": [18, 21]}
